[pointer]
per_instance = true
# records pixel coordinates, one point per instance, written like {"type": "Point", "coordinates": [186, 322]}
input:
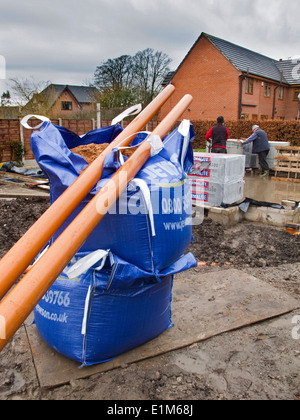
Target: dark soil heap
{"type": "Point", "coordinates": [245, 245]}
{"type": "Point", "coordinates": [16, 217]}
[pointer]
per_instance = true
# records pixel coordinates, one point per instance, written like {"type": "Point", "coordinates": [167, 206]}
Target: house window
{"type": "Point", "coordinates": [249, 86]}
{"type": "Point", "coordinates": [66, 106]}
{"type": "Point", "coordinates": [254, 117]}
{"type": "Point", "coordinates": [245, 116]}
{"type": "Point", "coordinates": [296, 94]}
{"type": "Point", "coordinates": [267, 90]}
{"type": "Point", "coordinates": [281, 92]}
{"type": "Point", "coordinates": [264, 117]}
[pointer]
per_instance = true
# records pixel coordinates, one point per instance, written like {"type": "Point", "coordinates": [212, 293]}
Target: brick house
{"type": "Point", "coordinates": [63, 101]}
{"type": "Point", "coordinates": [229, 80]}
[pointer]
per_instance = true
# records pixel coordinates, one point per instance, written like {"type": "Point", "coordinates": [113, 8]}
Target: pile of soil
{"type": "Point", "coordinates": [16, 217]}
{"type": "Point", "coordinates": [244, 245]}
{"type": "Point", "coordinates": [91, 151]}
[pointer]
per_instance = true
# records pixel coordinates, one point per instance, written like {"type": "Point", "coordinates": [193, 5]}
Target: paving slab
{"type": "Point", "coordinates": [204, 305]}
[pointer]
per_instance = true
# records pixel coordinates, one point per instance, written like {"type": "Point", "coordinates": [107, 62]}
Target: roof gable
{"type": "Point", "coordinates": [247, 61]}
{"type": "Point", "coordinates": [51, 94]}
{"type": "Point", "coordinates": [82, 94]}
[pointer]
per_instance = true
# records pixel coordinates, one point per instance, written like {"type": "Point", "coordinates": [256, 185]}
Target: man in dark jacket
{"type": "Point", "coordinates": [261, 147]}
{"type": "Point", "coordinates": [219, 135]}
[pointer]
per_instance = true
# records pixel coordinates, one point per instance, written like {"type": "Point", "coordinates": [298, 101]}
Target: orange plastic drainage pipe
{"type": "Point", "coordinates": [21, 255]}
{"type": "Point", "coordinates": [21, 300]}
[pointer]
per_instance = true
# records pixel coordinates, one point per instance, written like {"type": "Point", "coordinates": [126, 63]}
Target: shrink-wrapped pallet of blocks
{"type": "Point", "coordinates": [217, 178]}
{"type": "Point", "coordinates": [235, 147]}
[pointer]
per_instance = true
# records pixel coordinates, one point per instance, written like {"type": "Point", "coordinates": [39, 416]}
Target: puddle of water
{"type": "Point", "coordinates": [267, 189]}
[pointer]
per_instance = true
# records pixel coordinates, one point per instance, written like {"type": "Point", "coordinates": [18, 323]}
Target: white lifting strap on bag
{"type": "Point", "coordinates": [85, 263]}
{"type": "Point", "coordinates": [147, 197]}
{"type": "Point", "coordinates": [184, 130]}
{"type": "Point", "coordinates": [133, 110]}
{"type": "Point", "coordinates": [25, 120]}
{"type": "Point", "coordinates": [80, 267]}
{"type": "Point", "coordinates": [153, 139]}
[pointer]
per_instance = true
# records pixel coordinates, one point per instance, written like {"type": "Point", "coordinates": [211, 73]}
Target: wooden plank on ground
{"type": "Point", "coordinates": [286, 169]}
{"type": "Point", "coordinates": [204, 305]}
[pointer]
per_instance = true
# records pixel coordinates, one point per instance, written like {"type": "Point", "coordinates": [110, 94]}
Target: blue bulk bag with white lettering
{"type": "Point", "coordinates": [94, 313]}
{"type": "Point", "coordinates": [150, 224]}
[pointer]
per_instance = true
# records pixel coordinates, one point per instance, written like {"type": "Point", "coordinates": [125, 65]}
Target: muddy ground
{"type": "Point", "coordinates": [256, 362]}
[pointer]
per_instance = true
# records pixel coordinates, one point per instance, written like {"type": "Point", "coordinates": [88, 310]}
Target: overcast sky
{"type": "Point", "coordinates": [64, 40]}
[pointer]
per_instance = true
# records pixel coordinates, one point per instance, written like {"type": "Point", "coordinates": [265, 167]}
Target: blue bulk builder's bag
{"type": "Point", "coordinates": [94, 313]}
{"type": "Point", "coordinates": [100, 314]}
{"type": "Point", "coordinates": [150, 233]}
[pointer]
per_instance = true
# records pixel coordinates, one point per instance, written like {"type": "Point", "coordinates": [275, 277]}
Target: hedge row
{"type": "Point", "coordinates": [276, 130]}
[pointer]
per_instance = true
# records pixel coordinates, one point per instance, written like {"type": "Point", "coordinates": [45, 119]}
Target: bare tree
{"type": "Point", "coordinates": [128, 79]}
{"type": "Point", "coordinates": [150, 69]}
{"type": "Point", "coordinates": [114, 79]}
{"type": "Point", "coordinates": [25, 89]}
{"type": "Point", "coordinates": [114, 74]}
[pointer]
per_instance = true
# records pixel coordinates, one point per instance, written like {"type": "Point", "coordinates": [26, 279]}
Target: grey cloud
{"type": "Point", "coordinates": [56, 40]}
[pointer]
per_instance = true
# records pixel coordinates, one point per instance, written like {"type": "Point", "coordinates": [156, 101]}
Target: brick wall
{"type": "Point", "coordinates": [211, 80]}
{"type": "Point", "coordinates": [292, 105]}
{"type": "Point", "coordinates": [263, 106]}
{"type": "Point", "coordinates": [9, 130]}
